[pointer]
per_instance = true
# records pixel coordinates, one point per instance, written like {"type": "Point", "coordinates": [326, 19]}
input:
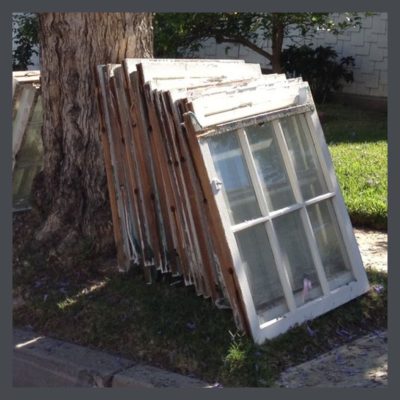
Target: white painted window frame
{"type": "Point", "coordinates": [330, 299]}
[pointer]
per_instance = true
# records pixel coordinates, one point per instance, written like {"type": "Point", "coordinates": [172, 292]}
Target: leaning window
{"type": "Point", "coordinates": [284, 217]}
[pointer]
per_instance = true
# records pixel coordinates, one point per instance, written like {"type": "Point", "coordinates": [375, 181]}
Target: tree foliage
{"type": "Point", "coordinates": [25, 31]}
{"type": "Point", "coordinates": [179, 33]}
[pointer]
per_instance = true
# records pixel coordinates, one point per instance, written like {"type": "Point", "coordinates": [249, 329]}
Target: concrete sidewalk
{"type": "Point", "coordinates": [40, 361]}
{"type": "Point", "coordinates": [362, 363]}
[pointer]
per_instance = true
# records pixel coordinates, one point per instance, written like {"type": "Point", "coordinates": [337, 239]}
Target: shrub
{"type": "Point", "coordinates": [319, 67]}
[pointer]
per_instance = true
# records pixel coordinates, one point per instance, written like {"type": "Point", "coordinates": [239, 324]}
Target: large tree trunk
{"type": "Point", "coordinates": [71, 194]}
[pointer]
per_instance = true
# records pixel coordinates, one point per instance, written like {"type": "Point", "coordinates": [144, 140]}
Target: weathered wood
{"type": "Point", "coordinates": [148, 144]}
{"type": "Point", "coordinates": [105, 135]}
{"type": "Point", "coordinates": [112, 129]}
{"type": "Point", "coordinates": [132, 184]}
{"type": "Point", "coordinates": [164, 166]}
{"type": "Point", "coordinates": [197, 70]}
{"type": "Point", "coordinates": [216, 109]}
{"type": "Point", "coordinates": [181, 215]}
{"type": "Point", "coordinates": [30, 76]}
{"type": "Point", "coordinates": [197, 268]}
{"type": "Point", "coordinates": [147, 174]}
{"type": "Point", "coordinates": [196, 204]}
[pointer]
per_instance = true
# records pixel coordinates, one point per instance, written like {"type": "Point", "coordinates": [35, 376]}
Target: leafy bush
{"type": "Point", "coordinates": [319, 67]}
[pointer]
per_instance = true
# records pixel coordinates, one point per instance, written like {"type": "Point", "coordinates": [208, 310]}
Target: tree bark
{"type": "Point", "coordinates": [71, 193]}
{"type": "Point", "coordinates": [277, 43]}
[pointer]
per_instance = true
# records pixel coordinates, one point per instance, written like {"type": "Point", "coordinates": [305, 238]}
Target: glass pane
{"type": "Point", "coordinates": [22, 185]}
{"type": "Point", "coordinates": [29, 159]}
{"type": "Point", "coordinates": [237, 188]}
{"type": "Point", "coordinates": [304, 157]}
{"type": "Point", "coordinates": [31, 150]}
{"type": "Point", "coordinates": [270, 166]}
{"type": "Point", "coordinates": [261, 272]}
{"type": "Point", "coordinates": [330, 244]}
{"type": "Point", "coordinates": [296, 257]}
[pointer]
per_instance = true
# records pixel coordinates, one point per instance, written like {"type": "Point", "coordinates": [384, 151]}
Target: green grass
{"type": "Point", "coordinates": [361, 169]}
{"type": "Point", "coordinates": [357, 140]}
{"type": "Point", "coordinates": [172, 328]}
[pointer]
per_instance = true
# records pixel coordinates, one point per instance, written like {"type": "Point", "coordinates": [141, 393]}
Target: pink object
{"type": "Point", "coordinates": [307, 285]}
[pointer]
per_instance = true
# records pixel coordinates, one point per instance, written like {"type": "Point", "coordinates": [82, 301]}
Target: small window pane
{"type": "Point", "coordinates": [237, 188]}
{"type": "Point", "coordinates": [304, 157]}
{"type": "Point", "coordinates": [270, 166]}
{"type": "Point", "coordinates": [330, 244]}
{"type": "Point", "coordinates": [296, 257]}
{"type": "Point", "coordinates": [29, 159]}
{"type": "Point", "coordinates": [261, 272]}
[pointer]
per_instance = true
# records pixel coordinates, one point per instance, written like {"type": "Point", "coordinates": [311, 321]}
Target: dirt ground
{"type": "Point", "coordinates": [373, 248]}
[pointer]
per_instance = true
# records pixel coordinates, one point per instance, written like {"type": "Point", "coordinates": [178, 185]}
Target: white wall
{"type": "Point", "coordinates": [368, 45]}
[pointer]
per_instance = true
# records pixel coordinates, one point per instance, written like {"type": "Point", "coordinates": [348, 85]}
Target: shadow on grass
{"type": "Point", "coordinates": [352, 124]}
{"type": "Point", "coordinates": [172, 328]}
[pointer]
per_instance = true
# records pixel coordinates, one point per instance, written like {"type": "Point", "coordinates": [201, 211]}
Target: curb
{"type": "Point", "coordinates": [40, 361]}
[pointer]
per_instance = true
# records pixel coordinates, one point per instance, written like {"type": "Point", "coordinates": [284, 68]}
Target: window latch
{"type": "Point", "coordinates": [216, 185]}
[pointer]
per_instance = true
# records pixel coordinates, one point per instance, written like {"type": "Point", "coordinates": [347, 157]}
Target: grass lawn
{"type": "Point", "coordinates": [357, 140]}
{"type": "Point", "coordinates": [174, 329]}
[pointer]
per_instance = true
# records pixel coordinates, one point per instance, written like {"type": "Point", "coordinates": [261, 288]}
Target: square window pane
{"type": "Point", "coordinates": [262, 275]}
{"type": "Point", "coordinates": [29, 159]}
{"type": "Point", "coordinates": [304, 157]}
{"type": "Point", "coordinates": [296, 257]}
{"type": "Point", "coordinates": [330, 244]}
{"type": "Point", "coordinates": [231, 168]}
{"type": "Point", "coordinates": [270, 167]}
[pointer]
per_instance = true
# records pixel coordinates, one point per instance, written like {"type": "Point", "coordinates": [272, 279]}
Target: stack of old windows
{"type": "Point", "coordinates": [220, 176]}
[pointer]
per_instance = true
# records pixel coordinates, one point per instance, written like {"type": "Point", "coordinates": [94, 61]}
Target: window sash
{"type": "Point", "coordinates": [310, 125]}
